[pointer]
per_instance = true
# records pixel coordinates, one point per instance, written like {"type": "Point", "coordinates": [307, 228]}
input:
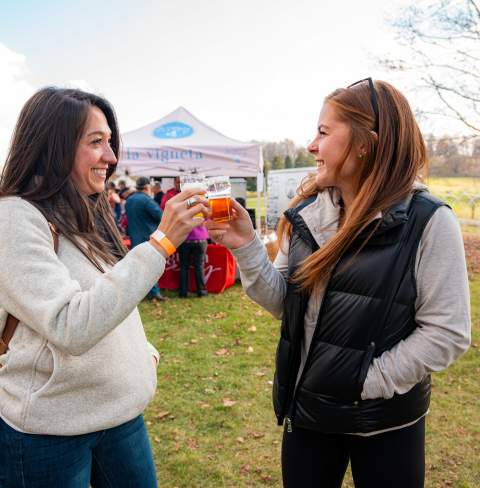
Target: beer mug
{"type": "Point", "coordinates": [219, 191]}
{"type": "Point", "coordinates": [195, 181]}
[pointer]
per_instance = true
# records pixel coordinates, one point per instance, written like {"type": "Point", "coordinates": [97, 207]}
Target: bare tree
{"type": "Point", "coordinates": [443, 42]}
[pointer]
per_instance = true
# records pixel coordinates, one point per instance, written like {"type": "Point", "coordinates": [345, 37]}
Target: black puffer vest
{"type": "Point", "coordinates": [368, 307]}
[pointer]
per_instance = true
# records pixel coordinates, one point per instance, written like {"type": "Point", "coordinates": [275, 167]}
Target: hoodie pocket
{"type": "Point", "coordinates": [46, 369]}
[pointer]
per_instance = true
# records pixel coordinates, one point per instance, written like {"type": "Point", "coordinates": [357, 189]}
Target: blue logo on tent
{"type": "Point", "coordinates": [173, 130]}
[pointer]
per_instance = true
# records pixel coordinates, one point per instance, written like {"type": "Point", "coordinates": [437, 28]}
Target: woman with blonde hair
{"type": "Point", "coordinates": [371, 286]}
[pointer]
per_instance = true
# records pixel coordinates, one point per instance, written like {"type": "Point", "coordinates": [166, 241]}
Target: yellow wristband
{"type": "Point", "coordinates": [162, 240]}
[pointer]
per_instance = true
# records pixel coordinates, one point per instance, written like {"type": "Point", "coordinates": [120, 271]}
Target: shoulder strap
{"type": "Point", "coordinates": [12, 322]}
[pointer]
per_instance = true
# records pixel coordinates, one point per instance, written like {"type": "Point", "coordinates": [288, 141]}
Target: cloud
{"type": "Point", "coordinates": [14, 92]}
{"type": "Point", "coordinates": [81, 85]}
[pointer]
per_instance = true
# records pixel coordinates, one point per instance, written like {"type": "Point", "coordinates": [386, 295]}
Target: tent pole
{"type": "Point", "coordinates": [260, 191]}
{"type": "Point", "coordinates": [257, 214]}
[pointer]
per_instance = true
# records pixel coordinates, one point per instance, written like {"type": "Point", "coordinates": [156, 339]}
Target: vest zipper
{"type": "Point", "coordinates": [291, 411]}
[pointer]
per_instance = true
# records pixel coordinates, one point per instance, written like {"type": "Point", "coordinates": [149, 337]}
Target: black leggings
{"type": "Point", "coordinates": [394, 459]}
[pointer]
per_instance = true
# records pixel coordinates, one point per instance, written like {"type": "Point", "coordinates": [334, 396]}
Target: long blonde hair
{"type": "Point", "coordinates": [392, 161]}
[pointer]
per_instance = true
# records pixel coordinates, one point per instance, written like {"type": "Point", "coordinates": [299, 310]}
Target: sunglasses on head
{"type": "Point", "coordinates": [373, 98]}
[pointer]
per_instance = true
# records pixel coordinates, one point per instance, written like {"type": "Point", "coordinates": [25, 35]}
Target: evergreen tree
{"type": "Point", "coordinates": [288, 162]}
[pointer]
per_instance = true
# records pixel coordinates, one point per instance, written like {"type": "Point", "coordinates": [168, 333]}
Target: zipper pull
{"type": "Point", "coordinates": [289, 425]}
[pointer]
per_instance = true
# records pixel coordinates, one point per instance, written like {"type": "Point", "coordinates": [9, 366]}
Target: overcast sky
{"type": "Point", "coordinates": [253, 69]}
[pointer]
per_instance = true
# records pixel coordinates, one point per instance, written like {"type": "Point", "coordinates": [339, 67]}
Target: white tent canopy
{"type": "Point", "coordinates": [180, 142]}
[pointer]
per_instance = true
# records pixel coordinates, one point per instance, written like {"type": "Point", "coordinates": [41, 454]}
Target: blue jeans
{"type": "Point", "coordinates": [114, 458]}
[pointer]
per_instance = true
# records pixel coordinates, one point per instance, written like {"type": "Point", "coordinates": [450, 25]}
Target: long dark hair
{"type": "Point", "coordinates": [390, 166]}
{"type": "Point", "coordinates": [39, 166]}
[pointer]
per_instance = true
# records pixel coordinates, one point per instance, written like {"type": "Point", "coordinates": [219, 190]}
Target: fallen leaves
{"type": "Point", "coordinates": [162, 415]}
{"type": "Point", "coordinates": [252, 329]}
{"type": "Point", "coordinates": [472, 252]}
{"type": "Point", "coordinates": [223, 351]}
{"type": "Point", "coordinates": [192, 444]}
{"type": "Point", "coordinates": [228, 403]}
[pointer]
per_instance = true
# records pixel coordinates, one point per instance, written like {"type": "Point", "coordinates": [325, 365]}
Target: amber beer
{"type": "Point", "coordinates": [219, 191]}
{"type": "Point", "coordinates": [221, 209]}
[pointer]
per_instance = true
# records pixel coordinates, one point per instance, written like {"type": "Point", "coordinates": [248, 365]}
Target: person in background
{"type": "Point", "coordinates": [171, 192]}
{"type": "Point", "coordinates": [250, 211]}
{"type": "Point", "coordinates": [143, 217]}
{"type": "Point", "coordinates": [114, 201]}
{"type": "Point", "coordinates": [122, 188]}
{"type": "Point", "coordinates": [194, 250]}
{"type": "Point", "coordinates": [371, 285]}
{"type": "Point", "coordinates": [157, 192]}
{"type": "Point", "coordinates": [76, 370]}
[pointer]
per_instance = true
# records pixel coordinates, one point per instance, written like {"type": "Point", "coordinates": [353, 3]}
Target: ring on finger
{"type": "Point", "coordinates": [191, 202]}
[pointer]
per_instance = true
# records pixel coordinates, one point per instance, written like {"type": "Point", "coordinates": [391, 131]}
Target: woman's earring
{"type": "Point", "coordinates": [361, 156]}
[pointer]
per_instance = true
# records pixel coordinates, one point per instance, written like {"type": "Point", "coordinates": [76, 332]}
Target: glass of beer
{"type": "Point", "coordinates": [195, 181]}
{"type": "Point", "coordinates": [219, 191]}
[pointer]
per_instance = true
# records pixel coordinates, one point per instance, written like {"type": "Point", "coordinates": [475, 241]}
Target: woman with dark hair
{"type": "Point", "coordinates": [76, 370]}
{"type": "Point", "coordinates": [371, 286]}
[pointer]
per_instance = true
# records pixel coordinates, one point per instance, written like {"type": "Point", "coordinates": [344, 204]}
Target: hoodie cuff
{"type": "Point", "coordinates": [372, 387]}
{"type": "Point", "coordinates": [251, 255]}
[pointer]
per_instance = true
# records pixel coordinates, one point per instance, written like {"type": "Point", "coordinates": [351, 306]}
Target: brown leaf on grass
{"type": "Point", "coordinates": [256, 435]}
{"type": "Point", "coordinates": [217, 315]}
{"type": "Point", "coordinates": [156, 439]}
{"type": "Point", "coordinates": [203, 405]}
{"type": "Point", "coordinates": [168, 377]}
{"type": "Point", "coordinates": [162, 415]}
{"type": "Point", "coordinates": [222, 352]}
{"type": "Point", "coordinates": [193, 341]}
{"type": "Point", "coordinates": [266, 478]}
{"type": "Point", "coordinates": [240, 440]}
{"type": "Point", "coordinates": [249, 349]}
{"type": "Point", "coordinates": [238, 342]}
{"type": "Point", "coordinates": [192, 444]}
{"type": "Point", "coordinates": [259, 313]}
{"type": "Point", "coordinates": [245, 469]}
{"type": "Point", "coordinates": [260, 373]}
{"type": "Point", "coordinates": [252, 329]}
{"type": "Point", "coordinates": [228, 403]}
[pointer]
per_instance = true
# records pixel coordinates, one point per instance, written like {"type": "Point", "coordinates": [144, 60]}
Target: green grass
{"type": "Point", "coordinates": [450, 189]}
{"type": "Point", "coordinates": [454, 184]}
{"type": "Point", "coordinates": [457, 192]}
{"type": "Point", "coordinates": [220, 350]}
{"type": "Point", "coordinates": [252, 202]}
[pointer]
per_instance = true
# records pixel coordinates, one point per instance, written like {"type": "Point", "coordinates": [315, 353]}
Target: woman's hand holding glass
{"type": "Point", "coordinates": [233, 234]}
{"type": "Point", "coordinates": [180, 217]}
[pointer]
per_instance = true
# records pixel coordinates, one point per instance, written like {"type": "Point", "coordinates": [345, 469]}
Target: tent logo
{"type": "Point", "coordinates": [173, 130]}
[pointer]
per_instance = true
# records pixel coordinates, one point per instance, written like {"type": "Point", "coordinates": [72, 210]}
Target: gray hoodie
{"type": "Point", "coordinates": [79, 360]}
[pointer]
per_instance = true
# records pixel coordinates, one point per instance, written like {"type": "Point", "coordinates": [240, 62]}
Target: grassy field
{"type": "Point", "coordinates": [212, 424]}
{"type": "Point", "coordinates": [456, 191]}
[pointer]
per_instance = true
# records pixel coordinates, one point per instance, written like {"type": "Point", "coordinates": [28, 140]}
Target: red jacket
{"type": "Point", "coordinates": [169, 194]}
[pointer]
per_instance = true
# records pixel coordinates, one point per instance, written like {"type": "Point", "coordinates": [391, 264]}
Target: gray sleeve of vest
{"type": "Point", "coordinates": [442, 313]}
{"type": "Point", "coordinates": [262, 281]}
